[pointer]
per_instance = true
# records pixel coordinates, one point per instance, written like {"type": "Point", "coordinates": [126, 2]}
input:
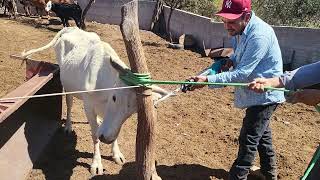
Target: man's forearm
{"type": "Point", "coordinates": [275, 82]}
{"type": "Point", "coordinates": [302, 77]}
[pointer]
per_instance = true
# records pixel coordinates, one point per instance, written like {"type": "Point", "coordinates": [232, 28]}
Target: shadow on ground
{"type": "Point", "coordinates": [60, 158]}
{"type": "Point", "coordinates": [175, 172]}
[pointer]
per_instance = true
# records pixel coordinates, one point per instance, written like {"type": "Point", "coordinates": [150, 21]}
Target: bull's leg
{"type": "Point", "coordinates": [28, 11]}
{"type": "Point", "coordinates": [5, 10]}
{"type": "Point", "coordinates": [63, 21]}
{"type": "Point", "coordinates": [117, 156]}
{"type": "Point", "coordinates": [67, 22]}
{"type": "Point", "coordinates": [37, 12]}
{"type": "Point", "coordinates": [77, 20]}
{"type": "Point", "coordinates": [43, 13]}
{"type": "Point", "coordinates": [12, 13]}
{"type": "Point", "coordinates": [47, 14]}
{"type": "Point", "coordinates": [68, 126]}
{"type": "Point", "coordinates": [96, 166]}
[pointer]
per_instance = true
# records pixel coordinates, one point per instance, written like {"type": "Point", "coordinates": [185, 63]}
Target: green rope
{"type": "Point", "coordinates": [312, 164]}
{"type": "Point", "coordinates": [133, 79]}
{"type": "Point", "coordinates": [213, 83]}
{"type": "Point", "coordinates": [145, 80]}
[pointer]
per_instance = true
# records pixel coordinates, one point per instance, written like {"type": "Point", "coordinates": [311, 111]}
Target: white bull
{"type": "Point", "coordinates": [86, 64]}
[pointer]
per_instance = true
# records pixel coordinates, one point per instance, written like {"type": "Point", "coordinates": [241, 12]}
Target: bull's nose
{"type": "Point", "coordinates": [104, 140]}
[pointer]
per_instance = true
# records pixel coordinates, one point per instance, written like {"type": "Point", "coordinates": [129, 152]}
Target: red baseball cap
{"type": "Point", "coordinates": [233, 9]}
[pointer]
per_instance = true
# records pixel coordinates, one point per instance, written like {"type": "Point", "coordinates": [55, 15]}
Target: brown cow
{"type": "Point", "coordinates": [27, 6]}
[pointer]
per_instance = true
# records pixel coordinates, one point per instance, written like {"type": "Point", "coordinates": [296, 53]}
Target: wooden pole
{"type": "Point", "coordinates": [145, 160]}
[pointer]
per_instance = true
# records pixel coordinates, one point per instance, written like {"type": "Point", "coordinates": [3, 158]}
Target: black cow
{"type": "Point", "coordinates": [66, 11]}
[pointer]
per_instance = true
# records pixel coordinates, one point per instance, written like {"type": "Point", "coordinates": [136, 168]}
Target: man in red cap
{"type": "Point", "coordinates": [256, 54]}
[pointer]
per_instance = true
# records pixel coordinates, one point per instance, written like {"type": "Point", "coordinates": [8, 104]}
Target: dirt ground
{"type": "Point", "coordinates": [196, 132]}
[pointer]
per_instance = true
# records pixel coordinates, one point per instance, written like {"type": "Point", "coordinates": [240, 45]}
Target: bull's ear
{"type": "Point", "coordinates": [118, 67]}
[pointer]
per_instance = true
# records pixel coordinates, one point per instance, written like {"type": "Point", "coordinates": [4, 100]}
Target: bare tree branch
{"type": "Point", "coordinates": [84, 13]}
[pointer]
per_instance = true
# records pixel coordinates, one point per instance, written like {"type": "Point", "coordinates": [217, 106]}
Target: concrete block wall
{"type": "Point", "coordinates": [305, 42]}
{"type": "Point", "coordinates": [212, 34]}
{"type": "Point", "coordinates": [109, 11]}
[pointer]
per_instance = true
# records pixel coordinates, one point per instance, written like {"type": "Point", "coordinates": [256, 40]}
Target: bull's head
{"type": "Point", "coordinates": [122, 103]}
{"type": "Point", "coordinates": [48, 6]}
{"type": "Point", "coordinates": [121, 106]}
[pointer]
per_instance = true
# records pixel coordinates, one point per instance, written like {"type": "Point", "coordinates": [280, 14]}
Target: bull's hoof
{"type": "Point", "coordinates": [67, 130]}
{"type": "Point", "coordinates": [119, 158]}
{"type": "Point", "coordinates": [175, 46]}
{"type": "Point", "coordinates": [96, 169]}
{"type": "Point", "coordinates": [155, 177]}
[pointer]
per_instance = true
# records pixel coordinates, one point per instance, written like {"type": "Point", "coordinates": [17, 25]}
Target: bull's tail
{"type": "Point", "coordinates": [50, 44]}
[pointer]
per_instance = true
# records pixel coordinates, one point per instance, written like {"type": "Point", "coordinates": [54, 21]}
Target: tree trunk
{"type": "Point", "coordinates": [146, 115]}
{"type": "Point", "coordinates": [156, 13]}
{"type": "Point", "coordinates": [168, 25]}
{"type": "Point", "coordinates": [84, 13]}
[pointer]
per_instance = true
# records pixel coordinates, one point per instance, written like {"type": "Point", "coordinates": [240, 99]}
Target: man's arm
{"type": "Point", "coordinates": [259, 84]}
{"type": "Point", "coordinates": [255, 51]}
{"type": "Point", "coordinates": [302, 77]}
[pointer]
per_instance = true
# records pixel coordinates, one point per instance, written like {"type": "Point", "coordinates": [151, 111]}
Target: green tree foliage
{"type": "Point", "coordinates": [176, 4]}
{"type": "Point", "coordinates": [202, 7]}
{"type": "Point", "coordinates": [289, 12]}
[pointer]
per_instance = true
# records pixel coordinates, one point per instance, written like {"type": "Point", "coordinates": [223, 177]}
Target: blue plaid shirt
{"type": "Point", "coordinates": [256, 54]}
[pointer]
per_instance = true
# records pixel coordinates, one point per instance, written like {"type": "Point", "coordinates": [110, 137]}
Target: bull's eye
{"type": "Point", "coordinates": [114, 98]}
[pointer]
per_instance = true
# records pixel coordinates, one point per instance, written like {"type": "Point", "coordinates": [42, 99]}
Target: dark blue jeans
{"type": "Point", "coordinates": [255, 135]}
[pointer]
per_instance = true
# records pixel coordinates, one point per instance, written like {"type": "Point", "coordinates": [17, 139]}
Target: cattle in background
{"type": "Point", "coordinates": [87, 63]}
{"type": "Point", "coordinates": [40, 5]}
{"type": "Point", "coordinates": [66, 11]}
{"type": "Point", "coordinates": [26, 6]}
{"type": "Point", "coordinates": [9, 5]}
